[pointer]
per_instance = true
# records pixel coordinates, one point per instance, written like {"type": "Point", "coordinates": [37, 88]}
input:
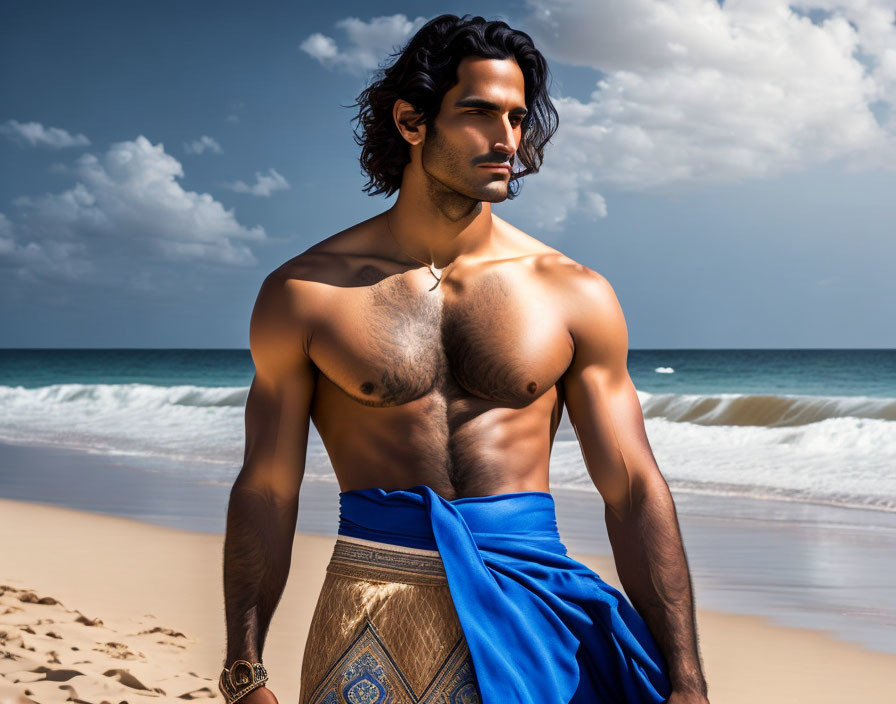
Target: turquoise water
{"type": "Point", "coordinates": [814, 426]}
{"type": "Point", "coordinates": [813, 372]}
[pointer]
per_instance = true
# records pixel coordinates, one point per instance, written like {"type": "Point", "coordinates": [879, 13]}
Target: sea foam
{"type": "Point", "coordinates": [838, 450]}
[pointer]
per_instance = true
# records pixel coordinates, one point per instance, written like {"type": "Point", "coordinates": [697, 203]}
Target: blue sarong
{"type": "Point", "coordinates": [541, 627]}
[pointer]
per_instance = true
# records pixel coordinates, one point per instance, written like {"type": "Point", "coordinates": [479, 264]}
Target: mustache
{"type": "Point", "coordinates": [499, 159]}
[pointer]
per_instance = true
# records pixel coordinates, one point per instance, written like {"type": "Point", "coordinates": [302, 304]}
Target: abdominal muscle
{"type": "Point", "coordinates": [462, 448]}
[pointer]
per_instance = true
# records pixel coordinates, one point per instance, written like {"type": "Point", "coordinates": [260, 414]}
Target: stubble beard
{"type": "Point", "coordinates": [454, 200]}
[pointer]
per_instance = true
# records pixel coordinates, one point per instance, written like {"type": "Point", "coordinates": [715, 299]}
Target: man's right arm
{"type": "Point", "coordinates": [264, 499]}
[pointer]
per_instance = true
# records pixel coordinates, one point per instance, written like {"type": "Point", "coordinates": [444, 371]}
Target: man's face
{"type": "Point", "coordinates": [479, 122]}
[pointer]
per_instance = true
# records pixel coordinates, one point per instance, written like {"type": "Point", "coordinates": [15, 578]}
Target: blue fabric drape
{"type": "Point", "coordinates": [541, 627]}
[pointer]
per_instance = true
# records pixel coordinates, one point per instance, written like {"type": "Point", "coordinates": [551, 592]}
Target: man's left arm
{"type": "Point", "coordinates": [640, 514]}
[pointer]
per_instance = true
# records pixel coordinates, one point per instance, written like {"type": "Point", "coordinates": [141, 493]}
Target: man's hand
{"type": "Point", "coordinates": [262, 695]}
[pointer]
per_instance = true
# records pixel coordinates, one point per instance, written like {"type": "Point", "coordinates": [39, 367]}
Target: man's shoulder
{"type": "Point", "coordinates": [293, 299]}
{"type": "Point", "coordinates": [312, 272]}
{"type": "Point", "coordinates": [594, 315]}
{"type": "Point", "coordinates": [552, 261]}
{"type": "Point", "coordinates": [571, 276]}
{"type": "Point", "coordinates": [589, 300]}
{"type": "Point", "coordinates": [321, 258]}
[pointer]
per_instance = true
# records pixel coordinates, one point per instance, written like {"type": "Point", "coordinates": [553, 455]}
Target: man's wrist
{"type": "Point", "coordinates": [688, 680]}
{"type": "Point", "coordinates": [240, 678]}
{"type": "Point", "coordinates": [249, 652]}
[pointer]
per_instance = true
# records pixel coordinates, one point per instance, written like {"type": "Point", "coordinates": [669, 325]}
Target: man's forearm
{"type": "Point", "coordinates": [653, 569]}
{"type": "Point", "coordinates": [257, 552]}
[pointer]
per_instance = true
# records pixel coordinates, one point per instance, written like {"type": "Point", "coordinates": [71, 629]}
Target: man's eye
{"type": "Point", "coordinates": [516, 119]}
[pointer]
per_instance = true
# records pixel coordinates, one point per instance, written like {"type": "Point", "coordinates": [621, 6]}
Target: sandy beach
{"type": "Point", "coordinates": [98, 608]}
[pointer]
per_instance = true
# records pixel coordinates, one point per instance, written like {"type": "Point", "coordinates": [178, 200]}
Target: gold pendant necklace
{"type": "Point", "coordinates": [433, 269]}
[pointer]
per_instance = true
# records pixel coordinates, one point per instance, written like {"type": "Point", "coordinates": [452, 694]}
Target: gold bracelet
{"type": "Point", "coordinates": [241, 678]}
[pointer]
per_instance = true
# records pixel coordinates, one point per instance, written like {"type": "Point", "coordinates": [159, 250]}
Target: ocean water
{"type": "Point", "coordinates": [782, 463]}
{"type": "Point", "coordinates": [810, 426]}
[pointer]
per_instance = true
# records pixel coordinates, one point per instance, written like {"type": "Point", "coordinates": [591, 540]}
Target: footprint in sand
{"type": "Point", "coordinates": [166, 631]}
{"type": "Point", "coordinates": [118, 651]}
{"type": "Point", "coordinates": [88, 621]}
{"type": "Point", "coordinates": [30, 597]}
{"type": "Point", "coordinates": [76, 660]}
{"type": "Point", "coordinates": [60, 675]}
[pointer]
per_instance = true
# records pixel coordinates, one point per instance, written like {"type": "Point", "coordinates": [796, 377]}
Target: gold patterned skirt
{"type": "Point", "coordinates": [385, 631]}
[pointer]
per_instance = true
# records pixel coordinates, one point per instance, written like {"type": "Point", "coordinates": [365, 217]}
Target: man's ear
{"type": "Point", "coordinates": [410, 123]}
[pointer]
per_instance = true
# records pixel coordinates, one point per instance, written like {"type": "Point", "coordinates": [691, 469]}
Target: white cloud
{"type": "Point", "coordinates": [35, 134]}
{"type": "Point", "coordinates": [126, 211]}
{"type": "Point", "coordinates": [320, 47]}
{"type": "Point", "coordinates": [264, 185]}
{"type": "Point", "coordinates": [203, 144]}
{"type": "Point", "coordinates": [692, 93]}
{"type": "Point", "coordinates": [368, 42]}
{"type": "Point", "coordinates": [58, 259]}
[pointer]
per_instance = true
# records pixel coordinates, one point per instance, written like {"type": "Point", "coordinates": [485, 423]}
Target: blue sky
{"type": "Point", "coordinates": [729, 169]}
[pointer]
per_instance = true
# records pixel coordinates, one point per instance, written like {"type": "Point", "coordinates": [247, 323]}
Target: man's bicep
{"type": "Point", "coordinates": [278, 406]}
{"type": "Point", "coordinates": [602, 402]}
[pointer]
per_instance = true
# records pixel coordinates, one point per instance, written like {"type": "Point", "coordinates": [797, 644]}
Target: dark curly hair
{"type": "Point", "coordinates": [426, 69]}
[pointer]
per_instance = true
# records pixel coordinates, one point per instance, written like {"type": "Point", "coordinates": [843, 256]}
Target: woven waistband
{"type": "Point", "coordinates": [373, 561]}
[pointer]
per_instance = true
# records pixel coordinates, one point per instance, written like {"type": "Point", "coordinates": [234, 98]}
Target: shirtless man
{"type": "Point", "coordinates": [456, 382]}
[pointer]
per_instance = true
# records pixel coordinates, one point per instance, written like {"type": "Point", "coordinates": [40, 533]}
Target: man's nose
{"type": "Point", "coordinates": [506, 140]}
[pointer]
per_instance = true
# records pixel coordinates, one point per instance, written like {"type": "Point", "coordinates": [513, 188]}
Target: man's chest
{"type": "Point", "coordinates": [495, 336]}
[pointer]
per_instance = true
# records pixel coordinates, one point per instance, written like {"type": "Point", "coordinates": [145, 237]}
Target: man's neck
{"type": "Point", "coordinates": [441, 228]}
